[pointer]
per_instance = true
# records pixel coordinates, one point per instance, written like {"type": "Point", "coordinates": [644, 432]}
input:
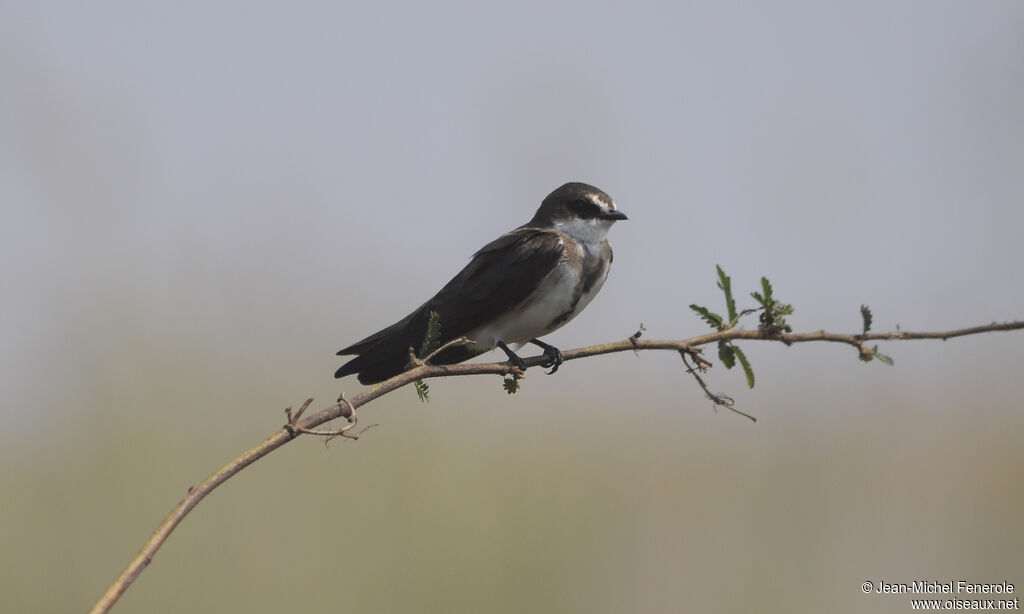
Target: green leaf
{"type": "Point", "coordinates": [865, 314]}
{"type": "Point", "coordinates": [726, 355]}
{"type": "Point", "coordinates": [772, 320]}
{"type": "Point", "coordinates": [746, 366]}
{"type": "Point", "coordinates": [510, 384]}
{"type": "Point", "coordinates": [882, 357]}
{"type": "Point", "coordinates": [422, 390]}
{"type": "Point", "coordinates": [713, 319]}
{"type": "Point", "coordinates": [766, 286]}
{"type": "Point", "coordinates": [432, 340]}
{"type": "Point", "coordinates": [725, 283]}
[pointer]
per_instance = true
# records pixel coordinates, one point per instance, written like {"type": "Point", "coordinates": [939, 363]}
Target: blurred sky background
{"type": "Point", "coordinates": [202, 202]}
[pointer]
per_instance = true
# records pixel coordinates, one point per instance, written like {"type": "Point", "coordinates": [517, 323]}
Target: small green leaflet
{"type": "Point", "coordinates": [746, 366]}
{"type": "Point", "coordinates": [865, 314]}
{"type": "Point", "coordinates": [713, 319]}
{"type": "Point", "coordinates": [725, 283]}
{"type": "Point", "coordinates": [431, 341]}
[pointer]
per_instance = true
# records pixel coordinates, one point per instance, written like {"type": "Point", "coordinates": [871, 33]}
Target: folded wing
{"type": "Point", "coordinates": [499, 278]}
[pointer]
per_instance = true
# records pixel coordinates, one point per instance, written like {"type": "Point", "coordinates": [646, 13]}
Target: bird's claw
{"type": "Point", "coordinates": [554, 359]}
{"type": "Point", "coordinates": [513, 358]}
{"type": "Point", "coordinates": [517, 362]}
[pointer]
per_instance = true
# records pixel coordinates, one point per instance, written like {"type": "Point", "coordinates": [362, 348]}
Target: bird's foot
{"type": "Point", "coordinates": [551, 353]}
{"type": "Point", "coordinates": [513, 358]}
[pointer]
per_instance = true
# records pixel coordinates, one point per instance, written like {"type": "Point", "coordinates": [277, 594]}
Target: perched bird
{"type": "Point", "coordinates": [517, 288]}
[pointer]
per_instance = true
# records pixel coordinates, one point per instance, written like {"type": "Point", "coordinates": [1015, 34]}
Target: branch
{"type": "Point", "coordinates": [346, 408]}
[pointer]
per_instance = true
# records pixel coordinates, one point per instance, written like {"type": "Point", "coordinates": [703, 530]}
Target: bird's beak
{"type": "Point", "coordinates": [614, 215]}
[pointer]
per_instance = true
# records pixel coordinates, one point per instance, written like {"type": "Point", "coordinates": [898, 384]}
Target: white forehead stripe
{"type": "Point", "coordinates": [598, 200]}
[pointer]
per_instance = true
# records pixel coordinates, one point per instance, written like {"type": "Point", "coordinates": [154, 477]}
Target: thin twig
{"type": "Point", "coordinates": [453, 343]}
{"type": "Point", "coordinates": [416, 361]}
{"type": "Point", "coordinates": [719, 399]}
{"type": "Point", "coordinates": [291, 420]}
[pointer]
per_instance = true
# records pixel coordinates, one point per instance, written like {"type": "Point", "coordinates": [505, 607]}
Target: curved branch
{"type": "Point", "coordinates": [346, 409]}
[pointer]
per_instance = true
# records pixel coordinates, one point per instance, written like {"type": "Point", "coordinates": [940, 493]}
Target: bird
{"type": "Point", "coordinates": [522, 286]}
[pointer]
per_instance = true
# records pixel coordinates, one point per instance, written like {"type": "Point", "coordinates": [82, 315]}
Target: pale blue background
{"type": "Point", "coordinates": [203, 202]}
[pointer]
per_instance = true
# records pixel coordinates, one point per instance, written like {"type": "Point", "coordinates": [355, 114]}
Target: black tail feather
{"type": "Point", "coordinates": [392, 357]}
{"type": "Point", "coordinates": [376, 366]}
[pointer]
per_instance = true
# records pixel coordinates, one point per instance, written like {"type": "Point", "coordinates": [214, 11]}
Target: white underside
{"type": "Point", "coordinates": [536, 315]}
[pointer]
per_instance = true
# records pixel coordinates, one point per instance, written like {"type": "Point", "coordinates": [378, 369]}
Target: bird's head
{"type": "Point", "coordinates": [579, 210]}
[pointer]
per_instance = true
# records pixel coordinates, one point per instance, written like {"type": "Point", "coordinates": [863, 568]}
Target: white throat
{"type": "Point", "coordinates": [588, 231]}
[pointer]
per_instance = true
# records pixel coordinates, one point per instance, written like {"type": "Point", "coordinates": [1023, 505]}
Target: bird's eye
{"type": "Point", "coordinates": [584, 208]}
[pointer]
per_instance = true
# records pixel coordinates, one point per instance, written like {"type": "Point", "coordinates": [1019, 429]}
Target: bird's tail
{"type": "Point", "coordinates": [389, 355]}
{"type": "Point", "coordinates": [375, 366]}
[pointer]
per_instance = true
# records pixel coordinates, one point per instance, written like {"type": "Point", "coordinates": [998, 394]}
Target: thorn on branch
{"type": "Point", "coordinates": [635, 336]}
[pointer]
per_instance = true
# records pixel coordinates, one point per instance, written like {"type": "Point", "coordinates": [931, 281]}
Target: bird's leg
{"type": "Point", "coordinates": [553, 354]}
{"type": "Point", "coordinates": [512, 356]}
